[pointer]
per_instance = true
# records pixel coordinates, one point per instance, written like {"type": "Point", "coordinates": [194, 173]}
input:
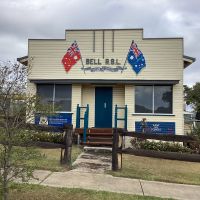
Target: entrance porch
{"type": "Point", "coordinates": [102, 109]}
{"type": "Point", "coordinates": [101, 100]}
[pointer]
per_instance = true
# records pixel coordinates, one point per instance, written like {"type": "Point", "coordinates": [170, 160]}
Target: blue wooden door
{"type": "Point", "coordinates": [103, 107]}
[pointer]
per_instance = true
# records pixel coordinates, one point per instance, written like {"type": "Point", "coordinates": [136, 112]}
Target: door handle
{"type": "Point", "coordinates": [105, 105]}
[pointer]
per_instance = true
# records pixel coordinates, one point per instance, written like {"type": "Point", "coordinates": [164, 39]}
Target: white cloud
{"type": "Point", "coordinates": [23, 19]}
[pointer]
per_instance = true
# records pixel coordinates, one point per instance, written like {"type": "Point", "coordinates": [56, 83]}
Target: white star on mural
{"type": "Point", "coordinates": [131, 57]}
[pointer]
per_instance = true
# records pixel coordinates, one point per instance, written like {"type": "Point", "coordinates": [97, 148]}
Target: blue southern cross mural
{"type": "Point", "coordinates": [135, 58]}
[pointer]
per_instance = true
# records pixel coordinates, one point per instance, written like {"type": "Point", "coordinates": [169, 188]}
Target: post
{"type": "Point", "coordinates": [125, 117]}
{"type": "Point", "coordinates": [115, 145]}
{"type": "Point", "coordinates": [78, 116]}
{"type": "Point", "coordinates": [115, 116]}
{"type": "Point", "coordinates": [68, 128]}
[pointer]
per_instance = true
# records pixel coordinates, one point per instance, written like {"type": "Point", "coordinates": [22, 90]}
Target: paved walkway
{"type": "Point", "coordinates": [104, 182]}
{"type": "Point", "coordinates": [93, 162]}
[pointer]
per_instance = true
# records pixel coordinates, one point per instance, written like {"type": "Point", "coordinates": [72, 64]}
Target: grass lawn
{"type": "Point", "coordinates": [159, 170]}
{"type": "Point", "coordinates": [33, 192]}
{"type": "Point", "coordinates": [50, 159]}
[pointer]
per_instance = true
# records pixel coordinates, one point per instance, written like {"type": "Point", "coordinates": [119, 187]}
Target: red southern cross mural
{"type": "Point", "coordinates": [72, 56]}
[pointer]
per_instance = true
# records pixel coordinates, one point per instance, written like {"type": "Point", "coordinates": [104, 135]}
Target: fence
{"type": "Point", "coordinates": [65, 146]}
{"type": "Point", "coordinates": [118, 150]}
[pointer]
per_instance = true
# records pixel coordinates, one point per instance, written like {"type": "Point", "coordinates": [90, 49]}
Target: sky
{"type": "Point", "coordinates": [23, 19]}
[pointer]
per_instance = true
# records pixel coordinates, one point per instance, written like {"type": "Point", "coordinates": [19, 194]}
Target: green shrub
{"type": "Point", "coordinates": [42, 136]}
{"type": "Point", "coordinates": [196, 132]}
{"type": "Point", "coordinates": [160, 146]}
{"type": "Point", "coordinates": [47, 137]}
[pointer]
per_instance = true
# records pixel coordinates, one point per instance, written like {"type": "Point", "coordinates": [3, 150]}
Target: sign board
{"type": "Point", "coordinates": [157, 127]}
{"type": "Point", "coordinates": [54, 120]}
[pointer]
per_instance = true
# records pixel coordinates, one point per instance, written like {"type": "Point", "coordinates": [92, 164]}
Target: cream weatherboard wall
{"type": "Point", "coordinates": [164, 61]}
{"type": "Point", "coordinates": [163, 56]}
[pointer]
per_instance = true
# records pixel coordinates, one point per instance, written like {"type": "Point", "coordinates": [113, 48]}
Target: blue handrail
{"type": "Point", "coordinates": [78, 117]}
{"type": "Point", "coordinates": [85, 119]}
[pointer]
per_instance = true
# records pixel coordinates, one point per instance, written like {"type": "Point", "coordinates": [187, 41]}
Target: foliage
{"type": "Point", "coordinates": [195, 132]}
{"type": "Point", "coordinates": [160, 146]}
{"type": "Point", "coordinates": [192, 96]}
{"type": "Point", "coordinates": [16, 107]}
{"type": "Point", "coordinates": [47, 137]}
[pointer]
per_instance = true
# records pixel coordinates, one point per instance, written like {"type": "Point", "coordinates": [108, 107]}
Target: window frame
{"type": "Point", "coordinates": [153, 103]}
{"type": "Point", "coordinates": [54, 95]}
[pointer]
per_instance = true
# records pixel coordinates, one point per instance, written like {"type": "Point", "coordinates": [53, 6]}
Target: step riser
{"type": "Point", "coordinates": [96, 136]}
{"type": "Point", "coordinates": [96, 144]}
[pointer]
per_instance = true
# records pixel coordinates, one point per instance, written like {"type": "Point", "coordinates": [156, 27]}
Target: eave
{"type": "Point", "coordinates": [188, 60]}
{"type": "Point", "coordinates": [23, 60]}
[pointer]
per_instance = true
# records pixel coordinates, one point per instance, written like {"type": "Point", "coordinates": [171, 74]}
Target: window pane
{"type": "Point", "coordinates": [63, 94]}
{"type": "Point", "coordinates": [45, 93]}
{"type": "Point", "coordinates": [143, 99]}
{"type": "Point", "coordinates": [163, 99]}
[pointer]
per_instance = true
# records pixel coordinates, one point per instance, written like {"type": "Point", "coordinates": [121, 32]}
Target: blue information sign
{"type": "Point", "coordinates": [157, 127]}
{"type": "Point", "coordinates": [54, 120]}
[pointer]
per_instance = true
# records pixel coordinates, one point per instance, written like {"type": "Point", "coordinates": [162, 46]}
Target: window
{"type": "Point", "coordinates": [57, 95]}
{"type": "Point", "coordinates": [162, 99]}
{"type": "Point", "coordinates": [153, 99]}
{"type": "Point", "coordinates": [45, 92]}
{"type": "Point", "coordinates": [143, 99]}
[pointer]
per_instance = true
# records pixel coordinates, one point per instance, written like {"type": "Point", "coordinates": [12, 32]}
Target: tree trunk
{"type": "Point", "coordinates": [5, 185]}
{"type": "Point", "coordinates": [5, 191]}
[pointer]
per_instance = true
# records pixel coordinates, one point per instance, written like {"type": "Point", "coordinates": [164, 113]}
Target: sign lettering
{"type": "Point", "coordinates": [101, 65]}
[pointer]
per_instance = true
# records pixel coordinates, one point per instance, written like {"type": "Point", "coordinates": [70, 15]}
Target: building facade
{"type": "Point", "coordinates": [109, 67]}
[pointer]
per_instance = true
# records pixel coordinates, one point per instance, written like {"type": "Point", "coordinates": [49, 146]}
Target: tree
{"type": "Point", "coordinates": [192, 96]}
{"type": "Point", "coordinates": [15, 108]}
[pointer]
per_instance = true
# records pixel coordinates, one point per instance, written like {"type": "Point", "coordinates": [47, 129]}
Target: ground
{"type": "Point", "coordinates": [133, 167]}
{"type": "Point", "coordinates": [159, 170]}
{"type": "Point", "coordinates": [32, 192]}
{"type": "Point", "coordinates": [50, 159]}
{"type": "Point", "coordinates": [91, 183]}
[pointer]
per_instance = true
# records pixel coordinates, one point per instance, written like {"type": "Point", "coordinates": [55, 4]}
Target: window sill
{"type": "Point", "coordinates": [152, 114]}
{"type": "Point", "coordinates": [64, 112]}
{"type": "Point", "coordinates": [58, 112]}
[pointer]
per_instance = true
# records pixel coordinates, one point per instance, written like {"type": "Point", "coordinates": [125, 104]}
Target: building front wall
{"type": "Point", "coordinates": [164, 61]}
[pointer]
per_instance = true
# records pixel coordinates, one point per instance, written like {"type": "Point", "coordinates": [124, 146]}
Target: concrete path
{"type": "Point", "coordinates": [104, 182]}
{"type": "Point", "coordinates": [93, 162]}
